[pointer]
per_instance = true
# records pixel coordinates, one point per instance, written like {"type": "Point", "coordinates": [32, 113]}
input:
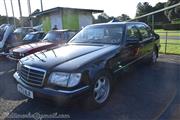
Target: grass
{"type": "Point", "coordinates": [173, 47]}
{"type": "Point", "coordinates": [162, 32]}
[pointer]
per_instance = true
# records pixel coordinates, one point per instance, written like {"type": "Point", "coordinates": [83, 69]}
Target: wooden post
{"type": "Point", "coordinates": [13, 14]}
{"type": "Point", "coordinates": [41, 5]}
{"type": "Point", "coordinates": [166, 42]}
{"type": "Point", "coordinates": [29, 10]}
{"type": "Point", "coordinates": [152, 22]}
{"type": "Point", "coordinates": [6, 11]}
{"type": "Point", "coordinates": [20, 12]}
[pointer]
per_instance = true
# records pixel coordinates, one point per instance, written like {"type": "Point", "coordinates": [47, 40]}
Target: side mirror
{"type": "Point", "coordinates": [157, 37]}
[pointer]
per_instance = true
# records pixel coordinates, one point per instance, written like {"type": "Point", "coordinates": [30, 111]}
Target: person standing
{"type": "Point", "coordinates": [55, 27]}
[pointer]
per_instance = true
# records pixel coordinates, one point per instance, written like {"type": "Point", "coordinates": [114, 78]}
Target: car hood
{"type": "Point", "coordinates": [50, 59]}
{"type": "Point", "coordinates": [29, 47]}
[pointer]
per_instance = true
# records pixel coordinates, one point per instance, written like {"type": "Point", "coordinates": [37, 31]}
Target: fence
{"type": "Point", "coordinates": [170, 42]}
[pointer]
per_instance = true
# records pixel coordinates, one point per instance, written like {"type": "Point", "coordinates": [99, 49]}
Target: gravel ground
{"type": "Point", "coordinates": [141, 93]}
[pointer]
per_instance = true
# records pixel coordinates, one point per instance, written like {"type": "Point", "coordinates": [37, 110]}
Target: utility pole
{"type": "Point", "coordinates": [152, 22]}
{"type": "Point", "coordinates": [29, 10]}
{"type": "Point", "coordinates": [41, 5]}
{"type": "Point", "coordinates": [13, 14]}
{"type": "Point", "coordinates": [20, 12]}
{"type": "Point", "coordinates": [6, 12]}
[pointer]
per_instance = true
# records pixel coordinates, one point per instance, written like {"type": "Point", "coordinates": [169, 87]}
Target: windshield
{"type": "Point", "coordinates": [56, 36]}
{"type": "Point", "coordinates": [2, 31]}
{"type": "Point", "coordinates": [23, 30]}
{"type": "Point", "coordinates": [102, 34]}
{"type": "Point", "coordinates": [18, 30]}
{"type": "Point", "coordinates": [29, 37]}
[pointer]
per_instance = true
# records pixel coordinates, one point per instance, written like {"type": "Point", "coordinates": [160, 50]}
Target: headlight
{"type": "Point", "coordinates": [21, 54]}
{"type": "Point", "coordinates": [74, 79]}
{"type": "Point", "coordinates": [10, 52]}
{"type": "Point", "coordinates": [19, 64]}
{"type": "Point", "coordinates": [65, 79]}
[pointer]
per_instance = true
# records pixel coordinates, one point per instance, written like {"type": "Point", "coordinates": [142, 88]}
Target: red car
{"type": "Point", "coordinates": [52, 39]}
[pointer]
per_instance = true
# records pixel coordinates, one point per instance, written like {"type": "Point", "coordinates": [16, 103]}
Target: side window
{"type": "Point", "coordinates": [71, 34]}
{"type": "Point", "coordinates": [150, 31]}
{"type": "Point", "coordinates": [41, 35]}
{"type": "Point", "coordinates": [144, 32]}
{"type": "Point", "coordinates": [132, 33]}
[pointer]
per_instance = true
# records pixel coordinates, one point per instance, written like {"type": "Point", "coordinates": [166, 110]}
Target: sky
{"type": "Point", "coordinates": [111, 7]}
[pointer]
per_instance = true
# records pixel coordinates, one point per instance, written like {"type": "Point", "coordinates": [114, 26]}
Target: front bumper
{"type": "Point", "coordinates": [4, 53]}
{"type": "Point", "coordinates": [61, 96]}
{"type": "Point", "coordinates": [12, 58]}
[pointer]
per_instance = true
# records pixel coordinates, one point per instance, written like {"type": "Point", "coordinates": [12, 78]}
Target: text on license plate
{"type": "Point", "coordinates": [25, 91]}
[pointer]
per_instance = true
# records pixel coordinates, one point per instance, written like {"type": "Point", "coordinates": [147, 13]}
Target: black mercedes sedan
{"type": "Point", "coordinates": [84, 67]}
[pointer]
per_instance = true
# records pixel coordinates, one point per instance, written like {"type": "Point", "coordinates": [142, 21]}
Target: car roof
{"type": "Point", "coordinates": [24, 28]}
{"type": "Point", "coordinates": [117, 23]}
{"type": "Point", "coordinates": [63, 30]}
{"type": "Point", "coordinates": [37, 32]}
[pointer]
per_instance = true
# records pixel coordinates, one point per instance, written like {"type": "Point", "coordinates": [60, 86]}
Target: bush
{"type": "Point", "coordinates": [176, 21]}
{"type": "Point", "coordinates": [171, 27]}
{"type": "Point", "coordinates": [158, 26]}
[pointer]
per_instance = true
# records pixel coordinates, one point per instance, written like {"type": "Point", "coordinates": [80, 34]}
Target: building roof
{"type": "Point", "coordinates": [65, 8]}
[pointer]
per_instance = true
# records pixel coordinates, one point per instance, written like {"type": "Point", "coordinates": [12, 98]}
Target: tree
{"type": "Point", "coordinates": [145, 8]}
{"type": "Point", "coordinates": [174, 13]}
{"type": "Point", "coordinates": [103, 18]}
{"type": "Point", "coordinates": [35, 12]}
{"type": "Point", "coordinates": [3, 20]}
{"type": "Point", "coordinates": [142, 9]}
{"type": "Point", "coordinates": [160, 17]}
{"type": "Point", "coordinates": [123, 17]}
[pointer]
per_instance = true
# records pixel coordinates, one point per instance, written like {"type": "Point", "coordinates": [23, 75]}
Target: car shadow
{"type": "Point", "coordinates": [8, 89]}
{"type": "Point", "coordinates": [141, 92]}
{"type": "Point", "coordinates": [3, 58]}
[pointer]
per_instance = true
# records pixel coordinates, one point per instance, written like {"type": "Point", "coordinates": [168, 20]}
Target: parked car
{"type": "Point", "coordinates": [16, 38]}
{"type": "Point", "coordinates": [85, 66]}
{"type": "Point", "coordinates": [29, 38]}
{"type": "Point", "coordinates": [33, 37]}
{"type": "Point", "coordinates": [21, 32]}
{"type": "Point", "coordinates": [52, 39]}
{"type": "Point", "coordinates": [6, 32]}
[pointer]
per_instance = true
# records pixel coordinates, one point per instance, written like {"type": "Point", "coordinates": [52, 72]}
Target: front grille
{"type": "Point", "coordinates": [31, 75]}
{"type": "Point", "coordinates": [15, 55]}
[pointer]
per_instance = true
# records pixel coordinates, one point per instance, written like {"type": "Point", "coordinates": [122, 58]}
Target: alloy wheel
{"type": "Point", "coordinates": [101, 89]}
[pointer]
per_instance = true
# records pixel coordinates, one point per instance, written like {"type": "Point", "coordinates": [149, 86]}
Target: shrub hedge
{"type": "Point", "coordinates": [171, 26]}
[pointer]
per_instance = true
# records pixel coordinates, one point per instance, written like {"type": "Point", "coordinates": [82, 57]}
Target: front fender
{"type": "Point", "coordinates": [99, 65]}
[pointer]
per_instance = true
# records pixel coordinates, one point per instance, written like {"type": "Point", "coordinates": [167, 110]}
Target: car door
{"type": "Point", "coordinates": [132, 43]}
{"type": "Point", "coordinates": [129, 52]}
{"type": "Point", "coordinates": [146, 39]}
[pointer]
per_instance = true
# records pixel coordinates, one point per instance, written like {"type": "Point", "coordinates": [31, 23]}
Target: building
{"type": "Point", "coordinates": [66, 18]}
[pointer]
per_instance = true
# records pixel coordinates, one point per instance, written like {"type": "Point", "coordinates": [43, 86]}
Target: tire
{"type": "Point", "coordinates": [100, 91]}
{"type": "Point", "coordinates": [153, 56]}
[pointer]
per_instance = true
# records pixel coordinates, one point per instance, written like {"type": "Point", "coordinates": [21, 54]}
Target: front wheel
{"type": "Point", "coordinates": [100, 91]}
{"type": "Point", "coordinates": [153, 57]}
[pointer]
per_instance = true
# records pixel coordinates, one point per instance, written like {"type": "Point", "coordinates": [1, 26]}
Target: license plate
{"type": "Point", "coordinates": [25, 91]}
